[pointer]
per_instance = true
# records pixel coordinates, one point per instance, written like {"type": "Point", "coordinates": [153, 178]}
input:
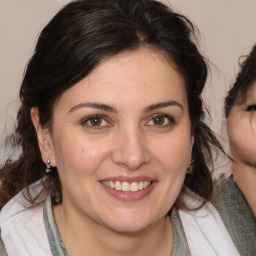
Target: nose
{"type": "Point", "coordinates": [131, 150]}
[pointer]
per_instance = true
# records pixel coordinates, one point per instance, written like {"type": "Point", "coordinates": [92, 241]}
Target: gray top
{"type": "Point", "coordinates": [56, 244]}
{"type": "Point", "coordinates": [237, 216]}
{"type": "Point", "coordinates": [180, 246]}
{"type": "Point", "coordinates": [2, 249]}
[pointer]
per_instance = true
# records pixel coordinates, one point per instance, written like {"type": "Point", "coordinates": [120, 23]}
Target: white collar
{"type": "Point", "coordinates": [206, 233]}
{"type": "Point", "coordinates": [22, 229]}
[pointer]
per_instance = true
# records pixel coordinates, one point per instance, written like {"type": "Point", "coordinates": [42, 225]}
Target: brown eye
{"type": "Point", "coordinates": [161, 120]}
{"type": "Point", "coordinates": [95, 121]}
{"type": "Point", "coordinates": [158, 120]}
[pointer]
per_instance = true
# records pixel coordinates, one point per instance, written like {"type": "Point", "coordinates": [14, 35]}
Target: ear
{"type": "Point", "coordinates": [44, 138]}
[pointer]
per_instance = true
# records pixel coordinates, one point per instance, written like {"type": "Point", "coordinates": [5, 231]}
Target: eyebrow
{"type": "Point", "coordinates": [114, 110]}
{"type": "Point", "coordinates": [163, 105]}
{"type": "Point", "coordinates": [93, 105]}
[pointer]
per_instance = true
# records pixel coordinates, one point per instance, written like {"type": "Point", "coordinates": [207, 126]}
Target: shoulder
{"type": "Point", "coordinates": [226, 193]}
{"type": "Point", "coordinates": [206, 233]}
{"type": "Point", "coordinates": [15, 209]}
{"type": "Point", "coordinates": [18, 210]}
{"type": "Point", "coordinates": [236, 215]}
{"type": "Point", "coordinates": [22, 227]}
{"type": "Point", "coordinates": [228, 198]}
{"type": "Point", "coordinates": [227, 185]}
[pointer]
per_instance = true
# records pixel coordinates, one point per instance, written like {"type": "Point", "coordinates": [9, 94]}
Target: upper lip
{"type": "Point", "coordinates": [128, 179]}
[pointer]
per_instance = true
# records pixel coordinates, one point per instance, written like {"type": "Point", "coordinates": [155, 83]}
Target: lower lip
{"type": "Point", "coordinates": [129, 196]}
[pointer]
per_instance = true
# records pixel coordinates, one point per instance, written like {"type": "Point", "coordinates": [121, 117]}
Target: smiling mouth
{"type": "Point", "coordinates": [127, 186]}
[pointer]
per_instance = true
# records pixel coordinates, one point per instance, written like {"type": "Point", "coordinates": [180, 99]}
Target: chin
{"type": "Point", "coordinates": [129, 228]}
{"type": "Point", "coordinates": [130, 223]}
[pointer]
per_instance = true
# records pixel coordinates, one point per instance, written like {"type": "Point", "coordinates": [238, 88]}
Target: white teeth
{"type": "Point", "coordinates": [118, 185]}
{"type": "Point", "coordinates": [134, 186]}
{"type": "Point", "coordinates": [111, 184]}
{"type": "Point", "coordinates": [126, 186]}
{"type": "Point", "coordinates": [141, 185]}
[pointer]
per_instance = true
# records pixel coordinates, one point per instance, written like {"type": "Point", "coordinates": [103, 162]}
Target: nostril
{"type": "Point", "coordinates": [131, 149]}
{"type": "Point", "coordinates": [132, 159]}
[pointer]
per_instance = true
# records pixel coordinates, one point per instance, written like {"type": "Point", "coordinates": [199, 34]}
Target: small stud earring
{"type": "Point", "coordinates": [190, 168]}
{"type": "Point", "coordinates": [48, 166]}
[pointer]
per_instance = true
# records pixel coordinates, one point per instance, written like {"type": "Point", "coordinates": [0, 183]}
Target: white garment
{"type": "Point", "coordinates": [206, 233]}
{"type": "Point", "coordinates": [23, 230]}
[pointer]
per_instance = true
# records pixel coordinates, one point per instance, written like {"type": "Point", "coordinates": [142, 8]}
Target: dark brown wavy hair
{"type": "Point", "coordinates": [79, 37]}
{"type": "Point", "coordinates": [244, 81]}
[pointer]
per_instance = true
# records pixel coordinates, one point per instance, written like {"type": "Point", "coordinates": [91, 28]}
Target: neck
{"type": "Point", "coordinates": [245, 177]}
{"type": "Point", "coordinates": [80, 237]}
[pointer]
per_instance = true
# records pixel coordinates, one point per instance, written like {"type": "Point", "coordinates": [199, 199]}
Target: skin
{"type": "Point", "coordinates": [241, 125]}
{"type": "Point", "coordinates": [145, 132]}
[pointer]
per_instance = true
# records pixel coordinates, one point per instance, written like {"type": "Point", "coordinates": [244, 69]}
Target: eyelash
{"type": "Point", "coordinates": [102, 118]}
{"type": "Point", "coordinates": [169, 118]}
{"type": "Point", "coordinates": [87, 121]}
{"type": "Point", "coordinates": [251, 108]}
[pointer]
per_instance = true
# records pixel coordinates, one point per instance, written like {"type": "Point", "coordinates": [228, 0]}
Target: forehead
{"type": "Point", "coordinates": [141, 76]}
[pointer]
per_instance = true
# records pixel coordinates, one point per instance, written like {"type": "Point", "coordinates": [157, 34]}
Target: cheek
{"type": "Point", "coordinates": [173, 157]}
{"type": "Point", "coordinates": [175, 153]}
{"type": "Point", "coordinates": [78, 156]}
{"type": "Point", "coordinates": [242, 139]}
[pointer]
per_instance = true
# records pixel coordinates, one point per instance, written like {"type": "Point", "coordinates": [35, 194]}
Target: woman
{"type": "Point", "coordinates": [236, 196]}
{"type": "Point", "coordinates": [115, 151]}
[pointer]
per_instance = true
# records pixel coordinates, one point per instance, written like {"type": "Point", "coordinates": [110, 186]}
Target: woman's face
{"type": "Point", "coordinates": [121, 141]}
{"type": "Point", "coordinates": [241, 125]}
